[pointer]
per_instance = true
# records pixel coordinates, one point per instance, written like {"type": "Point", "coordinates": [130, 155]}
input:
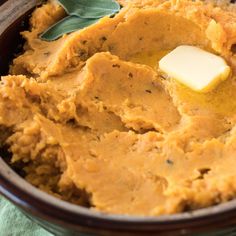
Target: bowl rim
{"type": "Point", "coordinates": [33, 200]}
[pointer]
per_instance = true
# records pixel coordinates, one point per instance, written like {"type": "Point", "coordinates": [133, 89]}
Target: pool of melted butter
{"type": "Point", "coordinates": [149, 58]}
{"type": "Point", "coordinates": [220, 101]}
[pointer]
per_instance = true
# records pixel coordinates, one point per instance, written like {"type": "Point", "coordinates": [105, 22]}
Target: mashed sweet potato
{"type": "Point", "coordinates": [90, 119]}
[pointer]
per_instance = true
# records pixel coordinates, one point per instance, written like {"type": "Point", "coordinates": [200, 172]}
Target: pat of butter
{"type": "Point", "coordinates": [197, 69]}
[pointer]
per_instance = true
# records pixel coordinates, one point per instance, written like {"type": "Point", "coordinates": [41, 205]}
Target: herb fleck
{"type": "Point", "coordinates": [131, 75]}
{"type": "Point", "coordinates": [116, 66]}
{"type": "Point", "coordinates": [82, 54]}
{"type": "Point", "coordinates": [204, 171]}
{"type": "Point", "coordinates": [162, 77]}
{"type": "Point", "coordinates": [47, 54]}
{"type": "Point", "coordinates": [233, 48]}
{"type": "Point", "coordinates": [103, 38]}
{"type": "Point", "coordinates": [71, 122]}
{"type": "Point", "coordinates": [170, 162]}
{"type": "Point", "coordinates": [148, 91]}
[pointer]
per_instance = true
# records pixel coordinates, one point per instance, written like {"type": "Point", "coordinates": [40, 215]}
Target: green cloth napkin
{"type": "Point", "coordinates": [14, 223]}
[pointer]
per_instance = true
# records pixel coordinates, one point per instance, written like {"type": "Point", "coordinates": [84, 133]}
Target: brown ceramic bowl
{"type": "Point", "coordinates": [62, 218]}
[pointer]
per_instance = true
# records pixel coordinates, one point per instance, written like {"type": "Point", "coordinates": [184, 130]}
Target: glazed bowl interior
{"type": "Point", "coordinates": [41, 204]}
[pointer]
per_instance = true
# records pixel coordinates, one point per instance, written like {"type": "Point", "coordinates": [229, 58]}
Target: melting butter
{"type": "Point", "coordinates": [197, 69]}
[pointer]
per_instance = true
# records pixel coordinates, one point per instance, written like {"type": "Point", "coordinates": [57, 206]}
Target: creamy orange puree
{"type": "Point", "coordinates": [90, 119]}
